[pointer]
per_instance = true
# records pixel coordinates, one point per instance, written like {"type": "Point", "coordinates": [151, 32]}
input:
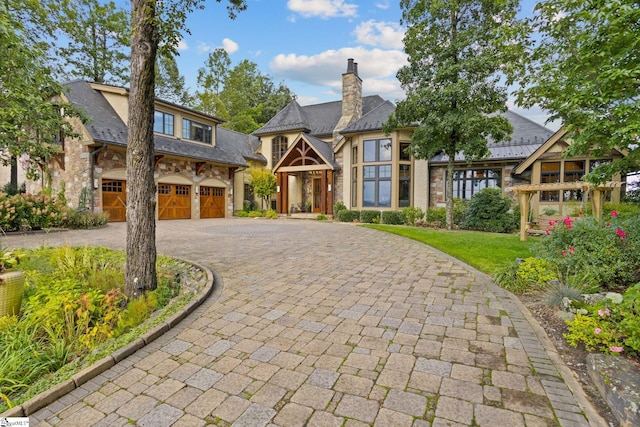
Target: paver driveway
{"type": "Point", "coordinates": [327, 324]}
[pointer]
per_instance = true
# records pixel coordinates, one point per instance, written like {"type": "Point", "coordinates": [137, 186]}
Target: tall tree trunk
{"type": "Point", "coordinates": [140, 274]}
{"type": "Point", "coordinates": [448, 194]}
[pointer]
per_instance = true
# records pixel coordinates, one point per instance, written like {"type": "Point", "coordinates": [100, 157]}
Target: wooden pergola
{"type": "Point", "coordinates": [526, 192]}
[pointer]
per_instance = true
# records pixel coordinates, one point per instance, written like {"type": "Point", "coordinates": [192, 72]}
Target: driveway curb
{"type": "Point", "coordinates": [213, 286]}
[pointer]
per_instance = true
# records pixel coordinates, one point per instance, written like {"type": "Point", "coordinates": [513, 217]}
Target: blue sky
{"type": "Point", "coordinates": [306, 44]}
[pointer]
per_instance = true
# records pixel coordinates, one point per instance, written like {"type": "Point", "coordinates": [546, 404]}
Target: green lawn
{"type": "Point", "coordinates": [487, 252]}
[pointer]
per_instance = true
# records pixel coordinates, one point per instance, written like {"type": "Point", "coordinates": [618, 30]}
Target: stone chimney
{"type": "Point", "coordinates": [351, 98]}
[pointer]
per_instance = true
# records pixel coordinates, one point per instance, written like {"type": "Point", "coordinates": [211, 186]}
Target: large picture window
{"type": "Point", "coordinates": [573, 172]}
{"type": "Point", "coordinates": [196, 131]}
{"type": "Point", "coordinates": [163, 122]}
{"type": "Point", "coordinates": [278, 148]}
{"type": "Point", "coordinates": [376, 188]}
{"type": "Point", "coordinates": [377, 150]}
{"type": "Point", "coordinates": [468, 182]}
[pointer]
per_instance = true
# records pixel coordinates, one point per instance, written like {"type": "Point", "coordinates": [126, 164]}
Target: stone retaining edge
{"type": "Point", "coordinates": [214, 287]}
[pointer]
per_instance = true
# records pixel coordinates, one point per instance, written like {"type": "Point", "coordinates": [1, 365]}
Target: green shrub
{"type": "Point", "coordinates": [392, 217]}
{"type": "Point", "coordinates": [243, 214]}
{"type": "Point", "coordinates": [85, 219]}
{"type": "Point", "coordinates": [347, 215]}
{"type": "Point", "coordinates": [489, 211]}
{"type": "Point", "coordinates": [338, 206]}
{"type": "Point", "coordinates": [256, 214]}
{"type": "Point", "coordinates": [509, 279]}
{"type": "Point", "coordinates": [629, 324]}
{"type": "Point", "coordinates": [369, 217]}
{"type": "Point", "coordinates": [436, 214]}
{"type": "Point", "coordinates": [411, 214]}
{"type": "Point", "coordinates": [271, 214]}
{"type": "Point", "coordinates": [321, 217]}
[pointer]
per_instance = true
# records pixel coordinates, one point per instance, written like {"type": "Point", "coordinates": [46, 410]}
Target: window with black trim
{"type": "Point", "coordinates": [163, 122]}
{"type": "Point", "coordinates": [467, 182]}
{"type": "Point", "coordinates": [549, 174]}
{"type": "Point", "coordinates": [404, 188]}
{"type": "Point", "coordinates": [377, 150]}
{"type": "Point", "coordinates": [196, 131]}
{"type": "Point", "coordinates": [376, 185]}
{"type": "Point", "coordinates": [404, 151]}
{"type": "Point", "coordinates": [278, 148]}
{"type": "Point", "coordinates": [354, 187]}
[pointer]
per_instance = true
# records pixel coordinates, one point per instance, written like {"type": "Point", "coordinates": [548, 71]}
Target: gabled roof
{"type": "Point", "coordinates": [317, 120]}
{"type": "Point", "coordinates": [540, 150]}
{"type": "Point", "coordinates": [372, 120]}
{"type": "Point", "coordinates": [526, 138]}
{"type": "Point", "coordinates": [106, 127]}
{"type": "Point", "coordinates": [322, 148]}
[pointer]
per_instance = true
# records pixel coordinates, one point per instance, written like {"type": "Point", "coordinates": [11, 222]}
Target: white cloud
{"type": "Point", "coordinates": [204, 47]}
{"type": "Point", "coordinates": [381, 34]}
{"type": "Point", "coordinates": [229, 45]}
{"type": "Point", "coordinates": [182, 45]}
{"type": "Point", "coordinates": [323, 8]}
{"type": "Point", "coordinates": [384, 5]}
{"type": "Point", "coordinates": [376, 67]}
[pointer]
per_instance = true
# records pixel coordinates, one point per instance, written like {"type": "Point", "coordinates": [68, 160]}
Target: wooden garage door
{"type": "Point", "coordinates": [174, 201]}
{"type": "Point", "coordinates": [211, 202]}
{"type": "Point", "coordinates": [114, 199]}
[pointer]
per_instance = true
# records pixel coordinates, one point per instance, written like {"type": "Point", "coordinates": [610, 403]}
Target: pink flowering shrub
{"type": "Point", "coordinates": [607, 251]}
{"type": "Point", "coordinates": [30, 212]}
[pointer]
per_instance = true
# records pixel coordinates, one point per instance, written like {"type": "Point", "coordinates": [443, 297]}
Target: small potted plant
{"type": "Point", "coordinates": [11, 283]}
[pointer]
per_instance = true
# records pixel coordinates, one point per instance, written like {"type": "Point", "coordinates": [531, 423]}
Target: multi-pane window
{"type": "Point", "coordinates": [468, 182]}
{"type": "Point", "coordinates": [163, 122]}
{"type": "Point", "coordinates": [196, 131]}
{"type": "Point", "coordinates": [278, 148]}
{"type": "Point", "coordinates": [549, 174]}
{"type": "Point", "coordinates": [377, 150]}
{"type": "Point", "coordinates": [354, 186]}
{"type": "Point", "coordinates": [376, 179]}
{"type": "Point", "coordinates": [404, 189]}
{"type": "Point", "coordinates": [573, 172]}
{"type": "Point", "coordinates": [376, 186]}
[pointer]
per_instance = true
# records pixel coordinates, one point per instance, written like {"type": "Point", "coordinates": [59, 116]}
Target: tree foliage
{"type": "Point", "coordinates": [97, 39]}
{"type": "Point", "coordinates": [170, 85]}
{"type": "Point", "coordinates": [244, 97]}
{"type": "Point", "coordinates": [456, 51]}
{"type": "Point", "coordinates": [585, 71]}
{"type": "Point", "coordinates": [263, 182]}
{"type": "Point", "coordinates": [32, 116]}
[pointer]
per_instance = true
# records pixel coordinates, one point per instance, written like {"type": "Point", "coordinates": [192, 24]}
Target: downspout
{"type": "Point", "coordinates": [92, 162]}
{"type": "Point", "coordinates": [233, 189]}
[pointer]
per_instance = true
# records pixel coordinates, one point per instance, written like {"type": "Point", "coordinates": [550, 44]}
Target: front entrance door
{"type": "Point", "coordinates": [211, 202]}
{"type": "Point", "coordinates": [114, 199]}
{"type": "Point", "coordinates": [174, 201]}
{"type": "Point", "coordinates": [317, 194]}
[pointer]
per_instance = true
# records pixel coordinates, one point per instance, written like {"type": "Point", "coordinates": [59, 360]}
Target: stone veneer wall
{"type": "Point", "coordinates": [113, 159]}
{"type": "Point", "coordinates": [75, 176]}
{"type": "Point", "coordinates": [338, 179]}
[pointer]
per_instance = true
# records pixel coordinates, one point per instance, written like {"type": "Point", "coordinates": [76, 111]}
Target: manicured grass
{"type": "Point", "coordinates": [488, 252]}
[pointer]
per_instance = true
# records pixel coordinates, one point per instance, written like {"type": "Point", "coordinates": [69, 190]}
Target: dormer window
{"type": "Point", "coordinates": [196, 131]}
{"type": "Point", "coordinates": [163, 122]}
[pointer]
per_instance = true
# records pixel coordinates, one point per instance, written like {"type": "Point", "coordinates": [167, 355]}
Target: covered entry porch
{"type": "Point", "coordinates": [304, 178]}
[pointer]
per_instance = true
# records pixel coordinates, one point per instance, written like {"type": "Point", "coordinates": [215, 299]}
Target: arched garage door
{"type": "Point", "coordinates": [174, 201]}
{"type": "Point", "coordinates": [114, 199]}
{"type": "Point", "coordinates": [211, 202]}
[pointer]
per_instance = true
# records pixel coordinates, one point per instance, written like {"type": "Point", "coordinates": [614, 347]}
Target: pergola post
{"type": "Point", "coordinates": [523, 199]}
{"type": "Point", "coordinates": [597, 202]}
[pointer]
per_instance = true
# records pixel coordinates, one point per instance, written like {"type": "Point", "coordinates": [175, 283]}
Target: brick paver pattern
{"type": "Point", "coordinates": [323, 324]}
